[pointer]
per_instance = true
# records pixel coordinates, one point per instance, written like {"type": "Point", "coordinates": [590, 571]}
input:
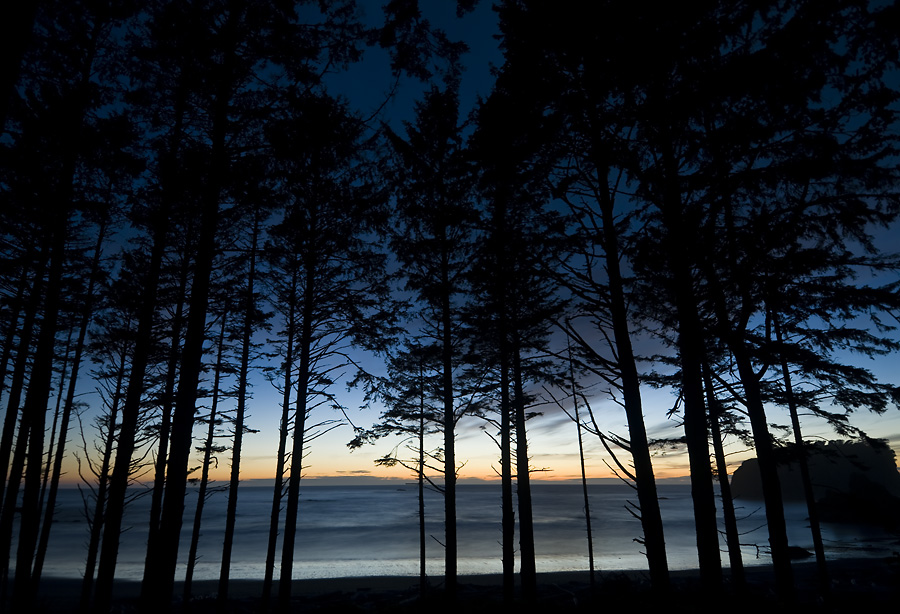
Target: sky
{"type": "Point", "coordinates": [553, 435]}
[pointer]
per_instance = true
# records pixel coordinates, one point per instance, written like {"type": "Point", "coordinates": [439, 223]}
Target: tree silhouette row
{"type": "Point", "coordinates": [190, 203]}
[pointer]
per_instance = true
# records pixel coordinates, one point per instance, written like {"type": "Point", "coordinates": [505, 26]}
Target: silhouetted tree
{"type": "Point", "coordinates": [174, 282]}
{"type": "Point", "coordinates": [723, 155]}
{"type": "Point", "coordinates": [576, 416]}
{"type": "Point", "coordinates": [209, 449]}
{"type": "Point", "coordinates": [433, 186]}
{"type": "Point", "coordinates": [252, 320]}
{"type": "Point", "coordinates": [86, 315]}
{"type": "Point", "coordinates": [578, 395]}
{"type": "Point", "coordinates": [99, 470]}
{"type": "Point", "coordinates": [21, 358]}
{"type": "Point", "coordinates": [17, 272]}
{"type": "Point", "coordinates": [163, 77]}
{"type": "Point", "coordinates": [130, 426]}
{"type": "Point", "coordinates": [409, 394]}
{"type": "Point", "coordinates": [320, 242]}
{"type": "Point", "coordinates": [519, 297]}
{"type": "Point", "coordinates": [232, 41]}
{"type": "Point", "coordinates": [57, 119]}
{"type": "Point", "coordinates": [554, 79]}
{"type": "Point", "coordinates": [717, 412]}
{"type": "Point", "coordinates": [114, 344]}
{"type": "Point", "coordinates": [284, 295]}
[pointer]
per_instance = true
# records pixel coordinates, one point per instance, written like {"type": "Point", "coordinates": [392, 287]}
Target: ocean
{"type": "Point", "coordinates": [373, 530]}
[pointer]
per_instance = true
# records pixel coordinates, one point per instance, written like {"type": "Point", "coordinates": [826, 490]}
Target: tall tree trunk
{"type": "Point", "coordinates": [285, 581]}
{"type": "Point", "coordinates": [697, 438]}
{"type": "Point", "coordinates": [768, 471]}
{"type": "Point", "coordinates": [645, 482]}
{"type": "Point", "coordinates": [161, 578]}
{"type": "Point", "coordinates": [57, 414]}
{"type": "Point", "coordinates": [14, 467]}
{"type": "Point", "coordinates": [508, 521]}
{"type": "Point", "coordinates": [207, 460]}
{"type": "Point", "coordinates": [59, 207]}
{"type": "Point", "coordinates": [528, 570]}
{"type": "Point", "coordinates": [35, 408]}
{"type": "Point", "coordinates": [143, 345]}
{"type": "Point", "coordinates": [16, 307]}
{"type": "Point", "coordinates": [733, 336]}
{"type": "Point", "coordinates": [732, 537]}
{"type": "Point", "coordinates": [165, 420]}
{"type": "Point", "coordinates": [805, 477]}
{"type": "Point", "coordinates": [246, 334]}
{"type": "Point", "coordinates": [28, 302]}
{"type": "Point", "coordinates": [584, 485]}
{"type": "Point", "coordinates": [691, 357]}
{"type": "Point", "coordinates": [103, 476]}
{"type": "Point", "coordinates": [131, 410]}
{"type": "Point", "coordinates": [162, 575]}
{"type": "Point", "coordinates": [278, 491]}
{"type": "Point", "coordinates": [501, 291]}
{"type": "Point", "coordinates": [449, 427]}
{"type": "Point", "coordinates": [86, 316]}
{"type": "Point", "coordinates": [420, 478]}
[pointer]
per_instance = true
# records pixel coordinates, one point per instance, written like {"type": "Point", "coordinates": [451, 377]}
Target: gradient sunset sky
{"type": "Point", "coordinates": [552, 436]}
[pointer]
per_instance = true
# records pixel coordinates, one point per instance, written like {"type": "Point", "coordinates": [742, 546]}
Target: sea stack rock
{"type": "Point", "coordinates": [853, 481]}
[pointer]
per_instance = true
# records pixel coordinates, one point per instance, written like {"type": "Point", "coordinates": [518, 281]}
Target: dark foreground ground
{"type": "Point", "coordinates": [869, 586]}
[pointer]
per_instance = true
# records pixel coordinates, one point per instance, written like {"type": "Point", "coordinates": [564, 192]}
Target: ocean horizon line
{"type": "Point", "coordinates": [339, 480]}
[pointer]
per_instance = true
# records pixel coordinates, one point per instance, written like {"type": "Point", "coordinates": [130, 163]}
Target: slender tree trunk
{"type": "Point", "coordinates": [285, 582]}
{"type": "Point", "coordinates": [733, 337]}
{"type": "Point", "coordinates": [165, 421]}
{"type": "Point", "coordinates": [423, 577]}
{"type": "Point", "coordinates": [691, 357]}
{"type": "Point", "coordinates": [58, 210]}
{"type": "Point", "coordinates": [97, 521]}
{"type": "Point", "coordinates": [7, 511]}
{"type": "Point", "coordinates": [15, 313]}
{"type": "Point", "coordinates": [207, 460]}
{"type": "Point", "coordinates": [246, 334]}
{"type": "Point", "coordinates": [768, 470]}
{"type": "Point", "coordinates": [143, 345]}
{"type": "Point", "coordinates": [806, 478]}
{"type": "Point", "coordinates": [14, 467]}
{"type": "Point", "coordinates": [732, 537]}
{"type": "Point", "coordinates": [501, 292]}
{"type": "Point", "coordinates": [278, 492]}
{"type": "Point", "coordinates": [23, 354]}
{"type": "Point", "coordinates": [528, 570]}
{"type": "Point", "coordinates": [584, 485]}
{"type": "Point", "coordinates": [508, 522]}
{"type": "Point", "coordinates": [33, 416]}
{"type": "Point", "coordinates": [449, 424]}
{"type": "Point", "coordinates": [57, 413]}
{"type": "Point", "coordinates": [651, 519]}
{"type": "Point", "coordinates": [162, 575]}
{"type": "Point", "coordinates": [87, 314]}
{"type": "Point", "coordinates": [131, 410]}
{"type": "Point", "coordinates": [697, 438]}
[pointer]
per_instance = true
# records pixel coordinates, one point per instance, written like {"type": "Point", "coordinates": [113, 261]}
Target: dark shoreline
{"type": "Point", "coordinates": [856, 583]}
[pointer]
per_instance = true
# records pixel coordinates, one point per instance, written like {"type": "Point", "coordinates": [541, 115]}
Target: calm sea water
{"type": "Point", "coordinates": [373, 530]}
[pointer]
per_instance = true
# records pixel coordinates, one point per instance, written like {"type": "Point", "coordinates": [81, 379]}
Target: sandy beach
{"type": "Point", "coordinates": [855, 584]}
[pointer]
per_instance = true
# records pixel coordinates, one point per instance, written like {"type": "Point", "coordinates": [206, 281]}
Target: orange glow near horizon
{"type": "Point", "coordinates": [553, 452]}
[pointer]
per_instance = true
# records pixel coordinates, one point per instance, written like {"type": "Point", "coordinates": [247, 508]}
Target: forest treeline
{"type": "Point", "coordinates": [188, 203]}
